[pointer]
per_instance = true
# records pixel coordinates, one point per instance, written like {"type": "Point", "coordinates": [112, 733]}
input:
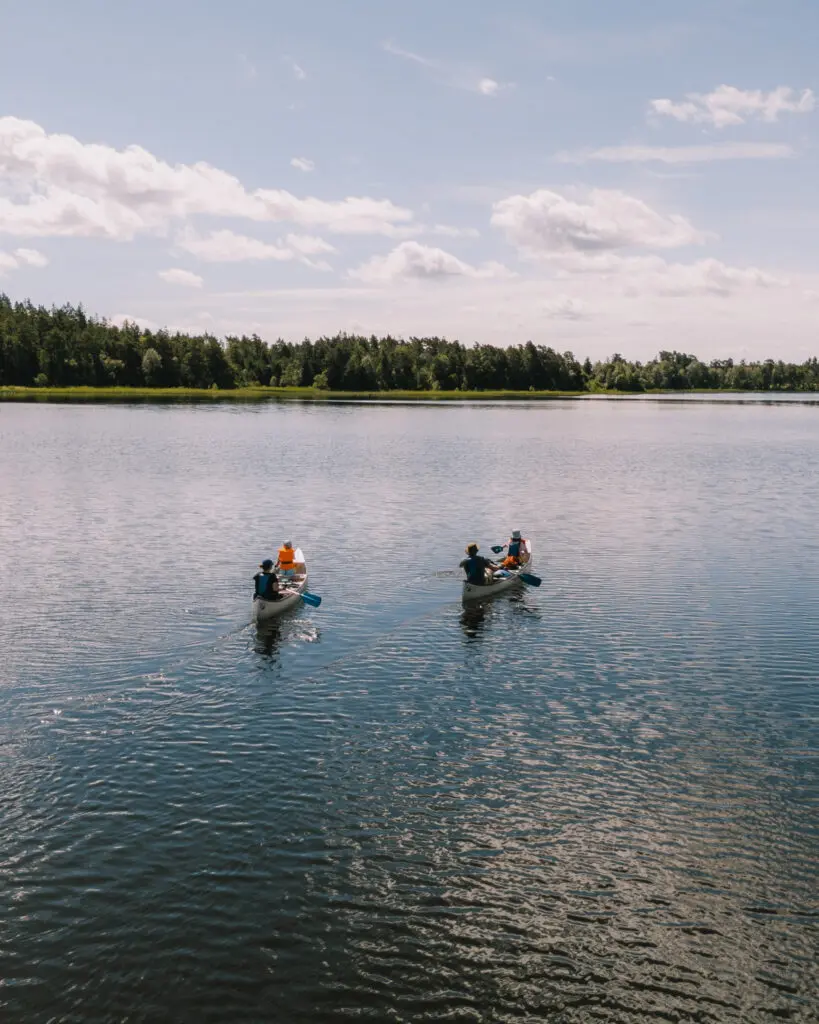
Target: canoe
{"type": "Point", "coordinates": [497, 584]}
{"type": "Point", "coordinates": [290, 591]}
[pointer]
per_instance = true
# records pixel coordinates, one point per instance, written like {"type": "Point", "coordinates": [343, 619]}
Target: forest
{"type": "Point", "coordinates": [66, 347]}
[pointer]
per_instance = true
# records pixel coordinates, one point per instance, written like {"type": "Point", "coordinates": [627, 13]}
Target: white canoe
{"type": "Point", "coordinates": [290, 591]}
{"type": "Point", "coordinates": [497, 584]}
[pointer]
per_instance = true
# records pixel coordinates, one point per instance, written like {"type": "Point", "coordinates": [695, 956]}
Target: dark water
{"type": "Point", "coordinates": [595, 801]}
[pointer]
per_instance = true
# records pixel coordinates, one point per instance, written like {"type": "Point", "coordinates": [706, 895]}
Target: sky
{"type": "Point", "coordinates": [592, 175]}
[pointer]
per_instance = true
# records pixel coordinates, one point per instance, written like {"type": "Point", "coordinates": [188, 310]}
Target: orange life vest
{"type": "Point", "coordinates": [287, 558]}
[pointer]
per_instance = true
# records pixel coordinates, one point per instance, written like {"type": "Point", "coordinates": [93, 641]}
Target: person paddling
{"type": "Point", "coordinates": [267, 582]}
{"type": "Point", "coordinates": [516, 551]}
{"type": "Point", "coordinates": [287, 559]}
{"type": "Point", "coordinates": [476, 566]}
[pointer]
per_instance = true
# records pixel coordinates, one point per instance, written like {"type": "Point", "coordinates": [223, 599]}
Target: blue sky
{"type": "Point", "coordinates": [593, 175]}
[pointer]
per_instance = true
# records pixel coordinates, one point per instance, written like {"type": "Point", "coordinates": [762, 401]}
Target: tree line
{"type": "Point", "coordinates": [65, 347]}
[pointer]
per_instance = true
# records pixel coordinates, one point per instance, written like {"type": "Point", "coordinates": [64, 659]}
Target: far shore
{"type": "Point", "coordinates": [11, 393]}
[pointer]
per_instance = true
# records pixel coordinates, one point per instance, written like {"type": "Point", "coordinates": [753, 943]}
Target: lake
{"type": "Point", "coordinates": [592, 801]}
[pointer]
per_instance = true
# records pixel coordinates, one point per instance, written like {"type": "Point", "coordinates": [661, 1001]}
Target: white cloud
{"type": "Point", "coordinates": [458, 77]}
{"type": "Point", "coordinates": [564, 307]}
{"type": "Point", "coordinates": [119, 319]}
{"type": "Point", "coordinates": [69, 188]}
{"type": "Point", "coordinates": [22, 257]}
{"type": "Point", "coordinates": [33, 257]}
{"type": "Point", "coordinates": [682, 154]}
{"type": "Point", "coordinates": [411, 260]}
{"type": "Point", "coordinates": [230, 247]}
{"type": "Point", "coordinates": [655, 276]}
{"type": "Point", "coordinates": [301, 163]}
{"type": "Point", "coordinates": [181, 277]}
{"type": "Point", "coordinates": [298, 72]}
{"type": "Point", "coordinates": [448, 231]}
{"type": "Point", "coordinates": [727, 105]}
{"type": "Point", "coordinates": [389, 47]}
{"type": "Point", "coordinates": [309, 245]}
{"type": "Point", "coordinates": [546, 224]}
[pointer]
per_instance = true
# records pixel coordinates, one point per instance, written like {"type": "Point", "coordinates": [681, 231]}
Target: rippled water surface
{"type": "Point", "coordinates": [593, 801]}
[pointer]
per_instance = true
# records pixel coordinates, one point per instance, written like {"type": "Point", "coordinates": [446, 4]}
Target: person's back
{"type": "Point", "coordinates": [266, 581]}
{"type": "Point", "coordinates": [516, 551]}
{"type": "Point", "coordinates": [475, 566]}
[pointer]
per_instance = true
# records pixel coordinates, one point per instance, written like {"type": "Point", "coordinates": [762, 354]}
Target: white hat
{"type": "Point", "coordinates": [288, 543]}
{"type": "Point", "coordinates": [515, 534]}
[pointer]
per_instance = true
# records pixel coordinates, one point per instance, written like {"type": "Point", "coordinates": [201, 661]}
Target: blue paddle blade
{"type": "Point", "coordinates": [312, 599]}
{"type": "Point", "coordinates": [496, 549]}
{"type": "Point", "coordinates": [533, 581]}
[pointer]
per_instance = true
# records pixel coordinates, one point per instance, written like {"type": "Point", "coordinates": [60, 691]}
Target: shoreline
{"type": "Point", "coordinates": [256, 394]}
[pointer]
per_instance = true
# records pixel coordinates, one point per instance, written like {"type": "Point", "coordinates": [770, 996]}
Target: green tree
{"type": "Point", "coordinates": [152, 367]}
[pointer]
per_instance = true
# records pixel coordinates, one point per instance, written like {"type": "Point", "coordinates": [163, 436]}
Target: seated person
{"type": "Point", "coordinates": [476, 566]}
{"type": "Point", "coordinates": [267, 582]}
{"type": "Point", "coordinates": [287, 559]}
{"type": "Point", "coordinates": [516, 556]}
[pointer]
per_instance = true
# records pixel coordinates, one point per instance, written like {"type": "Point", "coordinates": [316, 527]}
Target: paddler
{"type": "Point", "coordinates": [515, 551]}
{"type": "Point", "coordinates": [287, 559]}
{"type": "Point", "coordinates": [476, 566]}
{"type": "Point", "coordinates": [267, 583]}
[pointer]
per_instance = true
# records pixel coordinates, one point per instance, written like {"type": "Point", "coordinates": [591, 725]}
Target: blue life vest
{"type": "Point", "coordinates": [514, 548]}
{"type": "Point", "coordinates": [264, 586]}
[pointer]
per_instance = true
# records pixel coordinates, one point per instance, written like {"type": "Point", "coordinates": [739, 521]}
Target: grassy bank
{"type": "Point", "coordinates": [261, 393]}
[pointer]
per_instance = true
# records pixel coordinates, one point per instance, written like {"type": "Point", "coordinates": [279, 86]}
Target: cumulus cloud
{"type": "Point", "coordinates": [32, 257]}
{"type": "Point", "coordinates": [651, 275]}
{"type": "Point", "coordinates": [564, 307]}
{"type": "Point", "coordinates": [185, 278]}
{"type": "Point", "coordinates": [727, 105]}
{"type": "Point", "coordinates": [301, 163]}
{"type": "Point", "coordinates": [120, 319]}
{"type": "Point", "coordinates": [230, 247]}
{"type": "Point", "coordinates": [547, 224]}
{"type": "Point", "coordinates": [22, 257]}
{"type": "Point", "coordinates": [705, 277]}
{"type": "Point", "coordinates": [682, 154]}
{"type": "Point", "coordinates": [57, 185]}
{"type": "Point", "coordinates": [413, 261]}
{"type": "Point", "coordinates": [488, 87]}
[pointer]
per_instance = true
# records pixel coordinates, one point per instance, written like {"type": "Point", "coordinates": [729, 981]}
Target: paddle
{"type": "Point", "coordinates": [531, 579]}
{"type": "Point", "coordinates": [497, 548]}
{"type": "Point", "coordinates": [315, 600]}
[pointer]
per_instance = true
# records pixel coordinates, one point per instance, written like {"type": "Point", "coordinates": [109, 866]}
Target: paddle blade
{"type": "Point", "coordinates": [311, 599]}
{"type": "Point", "coordinates": [533, 581]}
{"type": "Point", "coordinates": [496, 549]}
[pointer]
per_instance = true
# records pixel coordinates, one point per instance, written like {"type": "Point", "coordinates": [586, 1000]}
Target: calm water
{"type": "Point", "coordinates": [595, 801]}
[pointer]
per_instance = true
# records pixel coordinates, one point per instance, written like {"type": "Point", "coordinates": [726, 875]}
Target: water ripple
{"type": "Point", "coordinates": [592, 801]}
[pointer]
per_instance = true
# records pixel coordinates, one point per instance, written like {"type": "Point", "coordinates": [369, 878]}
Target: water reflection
{"type": "Point", "coordinates": [268, 638]}
{"type": "Point", "coordinates": [474, 619]}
